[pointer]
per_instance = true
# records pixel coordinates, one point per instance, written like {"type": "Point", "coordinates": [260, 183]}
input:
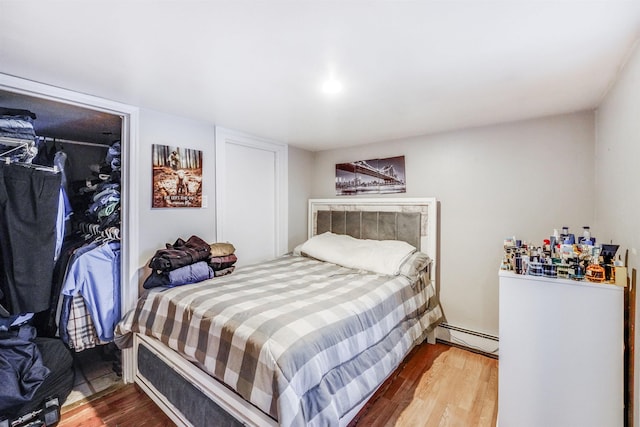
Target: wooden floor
{"type": "Point", "coordinates": [438, 385]}
{"type": "Point", "coordinates": [127, 406]}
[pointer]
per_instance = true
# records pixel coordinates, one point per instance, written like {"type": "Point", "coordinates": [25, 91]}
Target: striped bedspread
{"type": "Point", "coordinates": [303, 340]}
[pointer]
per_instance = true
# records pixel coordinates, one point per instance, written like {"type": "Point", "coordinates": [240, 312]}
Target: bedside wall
{"type": "Point", "coordinates": [523, 178]}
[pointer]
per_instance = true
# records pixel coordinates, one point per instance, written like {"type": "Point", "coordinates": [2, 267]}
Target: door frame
{"type": "Point", "coordinates": [129, 201]}
{"type": "Point", "coordinates": [223, 137]}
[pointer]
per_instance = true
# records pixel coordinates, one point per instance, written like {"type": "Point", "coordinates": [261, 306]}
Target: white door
{"type": "Point", "coordinates": [251, 195]}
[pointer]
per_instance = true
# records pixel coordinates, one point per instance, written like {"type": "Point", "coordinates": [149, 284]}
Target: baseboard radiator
{"type": "Point", "coordinates": [473, 340]}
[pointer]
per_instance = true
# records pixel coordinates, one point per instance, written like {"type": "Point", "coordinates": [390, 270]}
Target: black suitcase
{"type": "Point", "coordinates": [46, 416]}
{"type": "Point", "coordinates": [44, 408]}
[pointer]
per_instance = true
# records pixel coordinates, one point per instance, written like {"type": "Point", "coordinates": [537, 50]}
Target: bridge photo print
{"type": "Point", "coordinates": [375, 176]}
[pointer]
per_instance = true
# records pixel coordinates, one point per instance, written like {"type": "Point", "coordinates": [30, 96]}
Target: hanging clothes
{"type": "Point", "coordinates": [95, 275]}
{"type": "Point", "coordinates": [28, 212]}
{"type": "Point", "coordinates": [87, 278]}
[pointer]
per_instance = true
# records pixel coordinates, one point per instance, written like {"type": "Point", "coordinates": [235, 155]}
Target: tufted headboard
{"type": "Point", "coordinates": [413, 220]}
{"type": "Point", "coordinates": [371, 225]}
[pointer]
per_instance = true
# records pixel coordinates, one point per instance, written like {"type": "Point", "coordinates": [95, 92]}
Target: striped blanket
{"type": "Point", "coordinates": [303, 340]}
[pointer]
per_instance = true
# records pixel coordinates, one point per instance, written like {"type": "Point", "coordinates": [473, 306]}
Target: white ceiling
{"type": "Point", "coordinates": [407, 67]}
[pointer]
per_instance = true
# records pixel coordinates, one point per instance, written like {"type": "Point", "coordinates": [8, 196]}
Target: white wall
{"type": "Point", "coordinates": [618, 156]}
{"type": "Point", "coordinates": [522, 179]}
{"type": "Point", "coordinates": [159, 226]}
{"type": "Point", "coordinates": [617, 150]}
{"type": "Point", "coordinates": [300, 178]}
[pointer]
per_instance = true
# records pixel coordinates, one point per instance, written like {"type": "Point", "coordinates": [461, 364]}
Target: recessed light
{"type": "Point", "coordinates": [332, 86]}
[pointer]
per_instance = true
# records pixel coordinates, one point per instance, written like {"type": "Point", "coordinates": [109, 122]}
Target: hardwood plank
{"type": "Point", "coordinates": [441, 386]}
{"type": "Point", "coordinates": [437, 385]}
{"type": "Point", "coordinates": [127, 406]}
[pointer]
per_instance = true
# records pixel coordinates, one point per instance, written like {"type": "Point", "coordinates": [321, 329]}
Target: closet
{"type": "Point", "coordinates": [78, 157]}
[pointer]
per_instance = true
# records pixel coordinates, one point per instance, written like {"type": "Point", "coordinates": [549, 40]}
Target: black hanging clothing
{"type": "Point", "coordinates": [28, 211]}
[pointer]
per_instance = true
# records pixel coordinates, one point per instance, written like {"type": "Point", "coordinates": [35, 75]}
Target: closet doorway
{"type": "Point", "coordinates": [91, 132]}
{"type": "Point", "coordinates": [251, 195]}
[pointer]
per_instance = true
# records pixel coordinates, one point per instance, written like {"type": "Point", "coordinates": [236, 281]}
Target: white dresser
{"type": "Point", "coordinates": [561, 353]}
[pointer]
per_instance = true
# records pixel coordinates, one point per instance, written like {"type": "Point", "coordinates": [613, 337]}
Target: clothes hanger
{"type": "Point", "coordinates": [53, 169]}
{"type": "Point", "coordinates": [20, 144]}
{"type": "Point", "coordinates": [16, 144]}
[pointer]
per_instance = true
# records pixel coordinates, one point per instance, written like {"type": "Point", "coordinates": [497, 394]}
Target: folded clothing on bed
{"type": "Point", "coordinates": [222, 249]}
{"type": "Point", "coordinates": [181, 253]}
{"type": "Point", "coordinates": [190, 261]}
{"type": "Point", "coordinates": [192, 273]}
{"type": "Point", "coordinates": [222, 262]}
{"type": "Point", "coordinates": [224, 271]}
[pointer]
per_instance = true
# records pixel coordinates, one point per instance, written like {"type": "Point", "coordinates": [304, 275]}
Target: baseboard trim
{"type": "Point", "coordinates": [472, 340]}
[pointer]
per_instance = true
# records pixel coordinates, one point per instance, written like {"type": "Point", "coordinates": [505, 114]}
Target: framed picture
{"type": "Point", "coordinates": [374, 176]}
{"type": "Point", "coordinates": [177, 177]}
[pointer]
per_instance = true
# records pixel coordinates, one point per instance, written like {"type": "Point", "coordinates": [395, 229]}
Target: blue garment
{"type": "Point", "coordinates": [14, 321]}
{"type": "Point", "coordinates": [105, 198]}
{"type": "Point", "coordinates": [15, 123]}
{"type": "Point", "coordinates": [96, 276]}
{"type": "Point", "coordinates": [192, 273]}
{"type": "Point", "coordinates": [107, 185]}
{"type": "Point", "coordinates": [59, 226]}
{"type": "Point", "coordinates": [113, 152]}
{"type": "Point", "coordinates": [115, 164]}
{"type": "Point", "coordinates": [60, 161]}
{"type": "Point", "coordinates": [21, 368]}
{"type": "Point", "coordinates": [64, 306]}
{"type": "Point", "coordinates": [105, 192]}
{"type": "Point", "coordinates": [65, 312]}
{"type": "Point", "coordinates": [64, 212]}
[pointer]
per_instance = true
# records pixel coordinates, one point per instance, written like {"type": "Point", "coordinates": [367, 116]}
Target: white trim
{"type": "Point", "coordinates": [129, 140]}
{"type": "Point", "coordinates": [219, 393]}
{"type": "Point", "coordinates": [129, 228]}
{"type": "Point", "coordinates": [225, 136]}
{"type": "Point", "coordinates": [469, 339]}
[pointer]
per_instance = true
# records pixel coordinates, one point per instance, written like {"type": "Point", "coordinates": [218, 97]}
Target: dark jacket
{"type": "Point", "coordinates": [181, 253]}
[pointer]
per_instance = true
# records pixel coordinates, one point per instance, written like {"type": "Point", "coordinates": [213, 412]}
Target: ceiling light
{"type": "Point", "coordinates": [331, 86]}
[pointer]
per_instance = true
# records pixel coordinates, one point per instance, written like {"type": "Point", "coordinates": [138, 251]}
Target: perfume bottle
{"type": "Point", "coordinates": [612, 273]}
{"type": "Point", "coordinates": [595, 272]}
{"type": "Point", "coordinates": [576, 271]}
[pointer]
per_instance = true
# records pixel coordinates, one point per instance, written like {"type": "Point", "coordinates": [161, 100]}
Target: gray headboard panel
{"type": "Point", "coordinates": [371, 225]}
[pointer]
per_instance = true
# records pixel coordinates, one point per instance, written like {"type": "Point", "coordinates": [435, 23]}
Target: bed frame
{"type": "Point", "coordinates": [191, 397]}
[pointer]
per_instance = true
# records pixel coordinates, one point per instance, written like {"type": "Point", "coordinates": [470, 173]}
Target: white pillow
{"type": "Point", "coordinates": [378, 256]}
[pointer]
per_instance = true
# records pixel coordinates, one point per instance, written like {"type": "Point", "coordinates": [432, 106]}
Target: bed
{"type": "Point", "coordinates": [304, 339]}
